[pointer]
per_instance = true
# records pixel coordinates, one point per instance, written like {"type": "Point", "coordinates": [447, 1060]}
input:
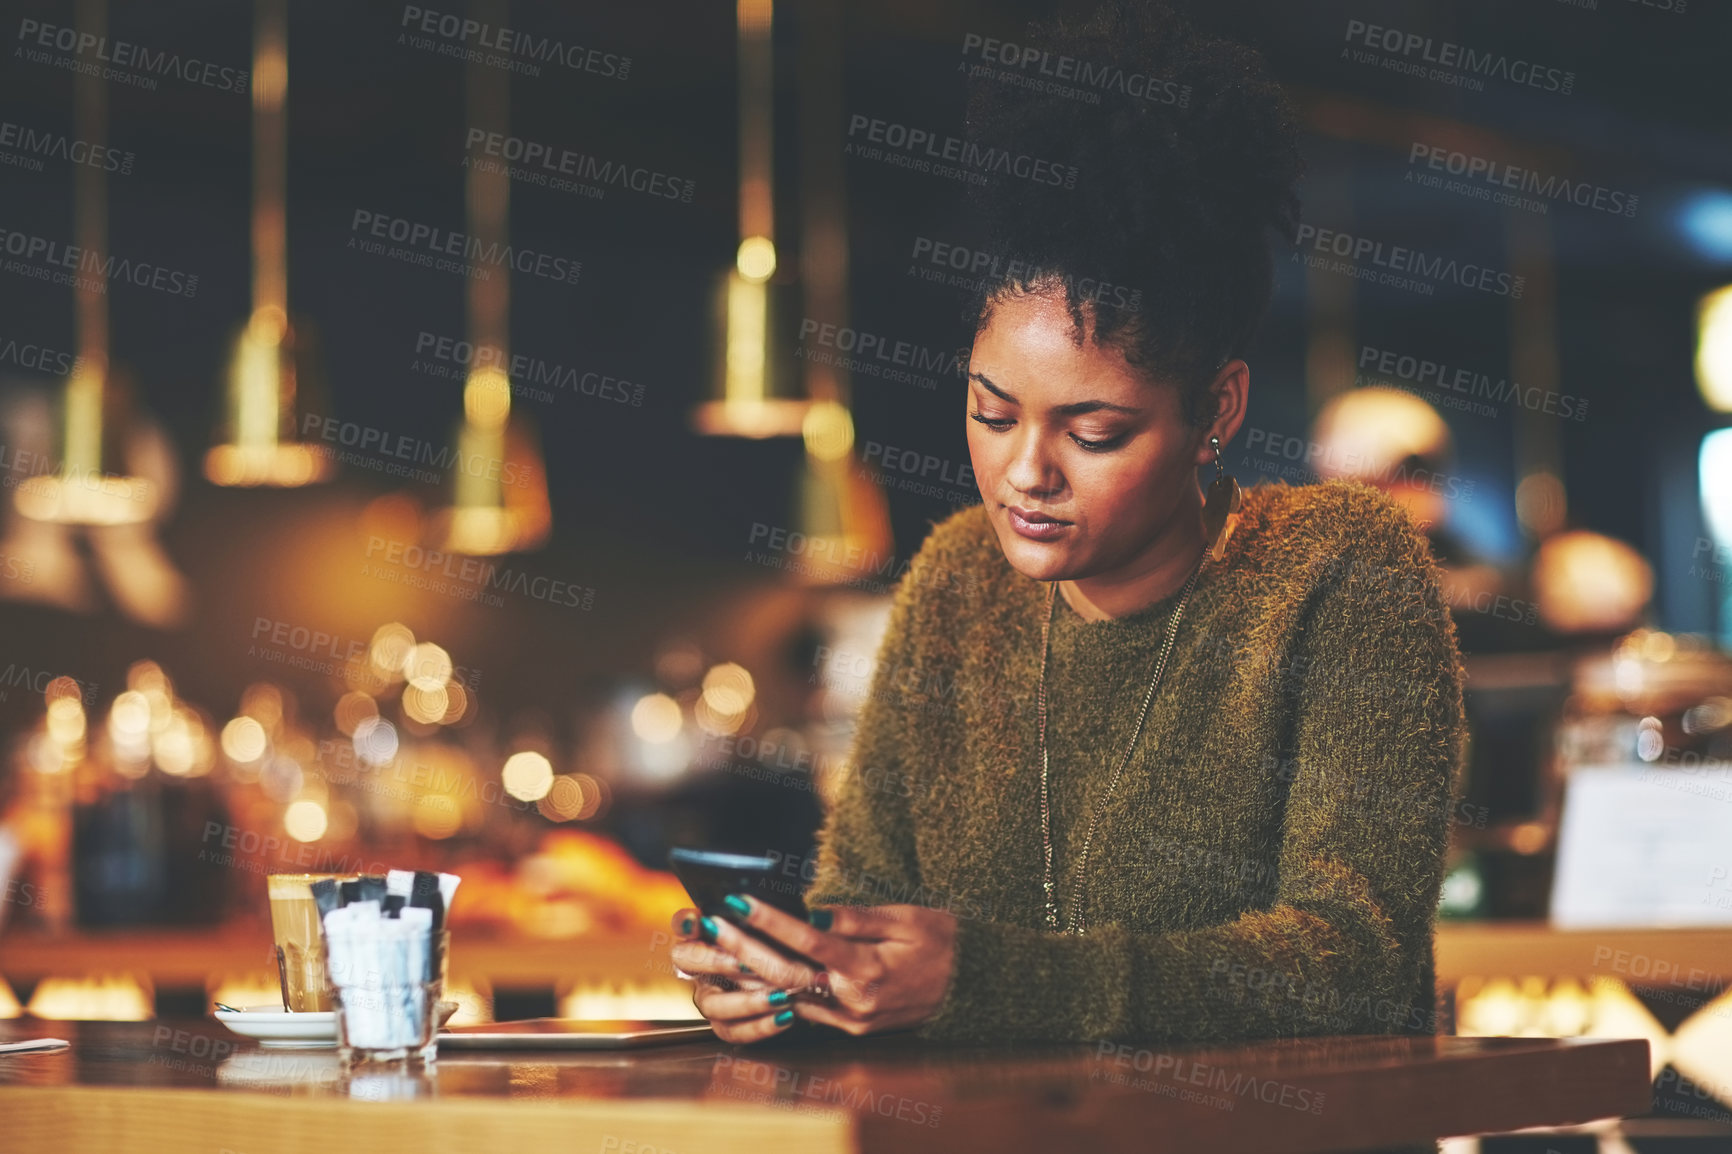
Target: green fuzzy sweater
{"type": "Point", "coordinates": [1271, 862]}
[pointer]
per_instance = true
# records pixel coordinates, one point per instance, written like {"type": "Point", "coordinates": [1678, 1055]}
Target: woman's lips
{"type": "Point", "coordinates": [1036, 526]}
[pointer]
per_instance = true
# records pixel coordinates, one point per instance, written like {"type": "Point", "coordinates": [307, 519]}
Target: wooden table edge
{"type": "Point", "coordinates": [161, 1120]}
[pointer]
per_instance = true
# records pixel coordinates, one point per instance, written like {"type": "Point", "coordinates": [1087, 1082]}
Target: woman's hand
{"type": "Point", "coordinates": [883, 968]}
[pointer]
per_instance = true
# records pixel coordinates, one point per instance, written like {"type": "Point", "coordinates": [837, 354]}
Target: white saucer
{"type": "Point", "coordinates": [274, 1026]}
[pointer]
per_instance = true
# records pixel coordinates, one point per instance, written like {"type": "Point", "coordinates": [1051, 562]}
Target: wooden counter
{"type": "Point", "coordinates": [174, 1086]}
{"type": "Point", "coordinates": [1516, 949]}
{"type": "Point", "coordinates": [190, 957]}
{"type": "Point", "coordinates": [1477, 949]}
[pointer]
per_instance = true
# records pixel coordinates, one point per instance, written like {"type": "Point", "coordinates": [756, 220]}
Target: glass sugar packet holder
{"type": "Point", "coordinates": [387, 954]}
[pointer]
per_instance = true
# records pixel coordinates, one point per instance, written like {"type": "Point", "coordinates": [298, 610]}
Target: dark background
{"type": "Point", "coordinates": [657, 518]}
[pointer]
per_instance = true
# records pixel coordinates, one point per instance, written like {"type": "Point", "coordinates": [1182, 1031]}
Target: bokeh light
{"type": "Point", "coordinates": [375, 741]}
{"type": "Point", "coordinates": [305, 820]}
{"type": "Point", "coordinates": [728, 688]}
{"type": "Point", "coordinates": [426, 703]}
{"type": "Point", "coordinates": [427, 665]}
{"type": "Point", "coordinates": [352, 709]}
{"type": "Point", "coordinates": [389, 649]}
{"type": "Point", "coordinates": [437, 816]}
{"type": "Point", "coordinates": [756, 258]}
{"type": "Point", "coordinates": [244, 740]}
{"type": "Point", "coordinates": [527, 775]}
{"type": "Point", "coordinates": [656, 718]}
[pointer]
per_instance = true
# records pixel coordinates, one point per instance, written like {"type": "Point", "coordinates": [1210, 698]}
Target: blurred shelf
{"type": "Point", "coordinates": [1517, 949]}
{"type": "Point", "coordinates": [190, 957]}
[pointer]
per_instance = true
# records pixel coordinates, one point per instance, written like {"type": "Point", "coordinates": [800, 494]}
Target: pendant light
{"type": "Point", "coordinates": [91, 486]}
{"type": "Point", "coordinates": [271, 366]}
{"type": "Point", "coordinates": [844, 514]}
{"type": "Point", "coordinates": [747, 407]}
{"type": "Point", "coordinates": [488, 516]}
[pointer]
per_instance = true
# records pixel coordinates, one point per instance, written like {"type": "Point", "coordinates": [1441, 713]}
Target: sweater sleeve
{"type": "Point", "coordinates": [866, 853]}
{"type": "Point", "coordinates": [1345, 945]}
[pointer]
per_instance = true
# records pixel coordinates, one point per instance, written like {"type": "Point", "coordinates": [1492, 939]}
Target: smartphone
{"type": "Point", "coordinates": [709, 877]}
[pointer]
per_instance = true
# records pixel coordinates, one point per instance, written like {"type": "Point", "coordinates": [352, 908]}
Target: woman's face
{"type": "Point", "coordinates": [1082, 463]}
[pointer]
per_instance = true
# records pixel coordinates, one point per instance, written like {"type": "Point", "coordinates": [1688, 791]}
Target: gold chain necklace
{"type": "Point", "coordinates": [1077, 920]}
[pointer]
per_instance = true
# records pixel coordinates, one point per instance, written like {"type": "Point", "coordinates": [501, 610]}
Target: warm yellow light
{"type": "Point", "coordinates": [437, 816]}
{"type": "Point", "coordinates": [305, 820]}
{"type": "Point", "coordinates": [1567, 1010]}
{"type": "Point", "coordinates": [828, 430]}
{"type": "Point", "coordinates": [147, 677]}
{"type": "Point", "coordinates": [756, 258]}
{"type": "Point", "coordinates": [426, 702]}
{"type": "Point", "coordinates": [284, 466]}
{"type": "Point", "coordinates": [248, 988]}
{"type": "Point", "coordinates": [108, 998]}
{"type": "Point", "coordinates": [268, 324]}
{"type": "Point", "coordinates": [427, 666]}
{"type": "Point", "coordinates": [1714, 349]}
{"type": "Point", "coordinates": [84, 498]}
{"type": "Point", "coordinates": [711, 721]}
{"type": "Point", "coordinates": [256, 380]}
{"type": "Point", "coordinates": [481, 530]}
{"type": "Point", "coordinates": [183, 746]}
{"type": "Point", "coordinates": [754, 15]}
{"type": "Point", "coordinates": [1367, 433]}
{"type": "Point", "coordinates": [129, 716]}
{"type": "Point", "coordinates": [80, 493]}
{"type": "Point", "coordinates": [9, 1004]}
{"type": "Point", "coordinates": [527, 775]}
{"type": "Point", "coordinates": [390, 648]}
{"type": "Point", "coordinates": [595, 796]}
{"type": "Point", "coordinates": [728, 688]}
{"type": "Point", "coordinates": [656, 718]}
{"type": "Point", "coordinates": [66, 720]}
{"type": "Point", "coordinates": [270, 79]}
{"type": "Point", "coordinates": [261, 384]}
{"type": "Point", "coordinates": [635, 1002]}
{"type": "Point", "coordinates": [456, 703]}
{"type": "Point", "coordinates": [758, 418]}
{"type": "Point", "coordinates": [1587, 582]}
{"type": "Point", "coordinates": [353, 708]}
{"type": "Point", "coordinates": [565, 800]}
{"type": "Point", "coordinates": [264, 701]}
{"type": "Point", "coordinates": [1541, 503]}
{"type": "Point", "coordinates": [487, 397]}
{"type": "Point", "coordinates": [748, 321]}
{"type": "Point", "coordinates": [1495, 1011]}
{"type": "Point", "coordinates": [244, 739]}
{"type": "Point", "coordinates": [44, 755]}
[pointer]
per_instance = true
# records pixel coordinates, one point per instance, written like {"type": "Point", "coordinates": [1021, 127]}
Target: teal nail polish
{"type": "Point", "coordinates": [783, 1018]}
{"type": "Point", "coordinates": [821, 918]}
{"type": "Point", "coordinates": [707, 929]}
{"type": "Point", "coordinates": [738, 904]}
{"type": "Point", "coordinates": [778, 997]}
{"type": "Point", "coordinates": [744, 968]}
{"type": "Point", "coordinates": [686, 924]}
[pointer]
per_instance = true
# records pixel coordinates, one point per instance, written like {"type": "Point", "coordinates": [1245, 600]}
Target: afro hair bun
{"type": "Point", "coordinates": [1186, 158]}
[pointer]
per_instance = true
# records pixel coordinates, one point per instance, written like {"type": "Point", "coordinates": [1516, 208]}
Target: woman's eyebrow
{"type": "Point", "coordinates": [1074, 409]}
{"type": "Point", "coordinates": [992, 388]}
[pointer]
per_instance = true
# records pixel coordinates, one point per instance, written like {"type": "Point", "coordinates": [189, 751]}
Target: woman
{"type": "Point", "coordinates": [1181, 773]}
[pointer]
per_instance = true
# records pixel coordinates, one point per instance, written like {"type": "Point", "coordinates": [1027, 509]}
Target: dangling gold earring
{"type": "Point", "coordinates": [1221, 507]}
